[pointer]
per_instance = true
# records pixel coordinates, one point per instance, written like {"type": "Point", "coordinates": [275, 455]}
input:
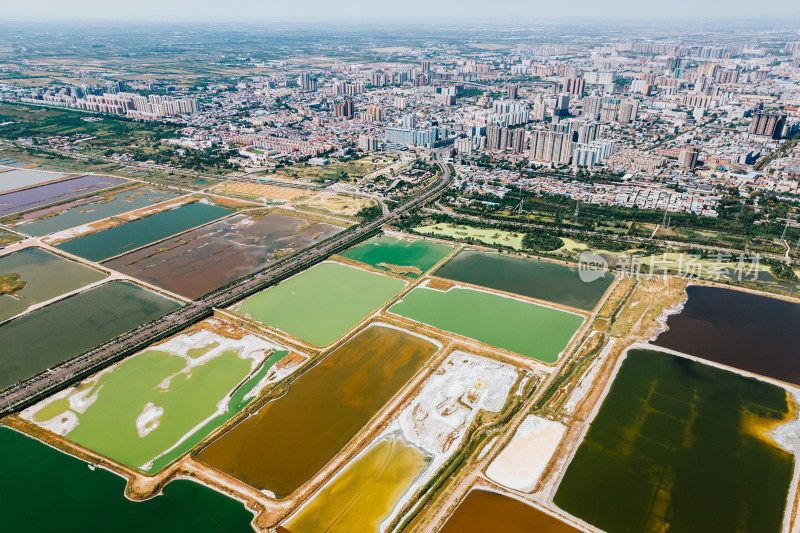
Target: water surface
{"type": "Point", "coordinates": [536, 279]}
{"type": "Point", "coordinates": [413, 257]}
{"type": "Point", "coordinates": [322, 303]}
{"type": "Point", "coordinates": [14, 202]}
{"type": "Point", "coordinates": [46, 275]}
{"type": "Point", "coordinates": [680, 446]}
{"type": "Point", "coordinates": [290, 439]}
{"type": "Point", "coordinates": [19, 178]}
{"type": "Point", "coordinates": [131, 235]}
{"type": "Point", "coordinates": [365, 492]}
{"type": "Point", "coordinates": [42, 489]}
{"type": "Point", "coordinates": [207, 258]}
{"type": "Point", "coordinates": [53, 334]}
{"type": "Point", "coordinates": [522, 327]}
{"type": "Point", "coordinates": [483, 511]}
{"type": "Point", "coordinates": [96, 209]}
{"type": "Point", "coordinates": [739, 329]}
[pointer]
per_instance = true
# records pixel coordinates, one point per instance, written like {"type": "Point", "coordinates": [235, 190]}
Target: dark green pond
{"type": "Point", "coordinates": [53, 334]}
{"type": "Point", "coordinates": [536, 279]}
{"type": "Point", "coordinates": [42, 489]}
{"type": "Point", "coordinates": [120, 239]}
{"type": "Point", "coordinates": [675, 447]}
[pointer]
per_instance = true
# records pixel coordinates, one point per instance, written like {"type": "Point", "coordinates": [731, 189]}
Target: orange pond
{"type": "Point", "coordinates": [290, 439]}
{"type": "Point", "coordinates": [483, 511]}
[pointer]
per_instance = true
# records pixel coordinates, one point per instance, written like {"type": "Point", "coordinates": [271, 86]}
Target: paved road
{"type": "Point", "coordinates": [25, 393]}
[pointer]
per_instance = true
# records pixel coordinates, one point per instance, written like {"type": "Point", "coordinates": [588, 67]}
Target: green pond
{"type": "Point", "coordinates": [51, 335]}
{"type": "Point", "coordinates": [365, 492]}
{"type": "Point", "coordinates": [99, 209]}
{"type": "Point", "coordinates": [535, 279]}
{"type": "Point", "coordinates": [413, 258]}
{"type": "Point", "coordinates": [131, 235]}
{"type": "Point", "coordinates": [680, 446]}
{"type": "Point", "coordinates": [522, 327]}
{"type": "Point", "coordinates": [46, 275]}
{"type": "Point", "coordinates": [322, 303]}
{"type": "Point", "coordinates": [109, 425]}
{"type": "Point", "coordinates": [40, 485]}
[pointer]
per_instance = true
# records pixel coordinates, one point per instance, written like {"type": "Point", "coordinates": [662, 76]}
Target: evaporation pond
{"type": "Point", "coordinates": [20, 178]}
{"type": "Point", "coordinates": [60, 331]}
{"type": "Point", "coordinates": [365, 492]}
{"type": "Point", "coordinates": [405, 257]}
{"type": "Point", "coordinates": [290, 439]}
{"type": "Point", "coordinates": [683, 447]}
{"type": "Point", "coordinates": [482, 511]}
{"type": "Point", "coordinates": [153, 406]}
{"type": "Point", "coordinates": [536, 279]}
{"type": "Point", "coordinates": [201, 260]}
{"type": "Point", "coordinates": [14, 202]}
{"type": "Point", "coordinates": [41, 276]}
{"type": "Point", "coordinates": [739, 329]}
{"type": "Point", "coordinates": [96, 209]}
{"type": "Point", "coordinates": [41, 485]}
{"type": "Point", "coordinates": [140, 232]}
{"type": "Point", "coordinates": [522, 327]}
{"type": "Point", "coordinates": [322, 303]}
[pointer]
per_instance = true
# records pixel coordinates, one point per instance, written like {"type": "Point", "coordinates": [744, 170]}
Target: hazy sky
{"type": "Point", "coordinates": [362, 10]}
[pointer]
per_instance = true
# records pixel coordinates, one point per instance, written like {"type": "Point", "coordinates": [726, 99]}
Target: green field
{"type": "Point", "coordinates": [681, 446]}
{"type": "Point", "coordinates": [336, 171]}
{"type": "Point", "coordinates": [410, 258]}
{"type": "Point", "coordinates": [525, 328]}
{"type": "Point", "coordinates": [322, 303]}
{"type": "Point", "coordinates": [467, 233]}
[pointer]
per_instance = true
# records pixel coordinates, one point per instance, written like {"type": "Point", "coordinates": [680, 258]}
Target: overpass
{"type": "Point", "coordinates": [25, 393]}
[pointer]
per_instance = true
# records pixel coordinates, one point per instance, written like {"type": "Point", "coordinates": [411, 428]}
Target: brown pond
{"type": "Point", "coordinates": [483, 511]}
{"type": "Point", "coordinates": [290, 439]}
{"type": "Point", "coordinates": [200, 261]}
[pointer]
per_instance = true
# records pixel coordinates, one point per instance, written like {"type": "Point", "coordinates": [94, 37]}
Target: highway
{"type": "Point", "coordinates": [25, 393]}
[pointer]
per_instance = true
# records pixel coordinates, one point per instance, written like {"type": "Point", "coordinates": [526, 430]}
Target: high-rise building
{"type": "Point", "coordinates": [493, 137]}
{"type": "Point", "coordinates": [426, 67]}
{"type": "Point", "coordinates": [307, 82]}
{"type": "Point", "coordinates": [345, 109]}
{"type": "Point", "coordinates": [587, 132]}
{"type": "Point", "coordinates": [517, 140]}
{"type": "Point", "coordinates": [562, 106]}
{"type": "Point", "coordinates": [627, 111]}
{"type": "Point", "coordinates": [539, 109]}
{"type": "Point", "coordinates": [551, 146]}
{"type": "Point", "coordinates": [609, 107]}
{"type": "Point", "coordinates": [574, 86]}
{"type": "Point", "coordinates": [463, 146]}
{"type": "Point", "coordinates": [374, 113]}
{"type": "Point", "coordinates": [368, 143]}
{"type": "Point", "coordinates": [688, 158]}
{"type": "Point", "coordinates": [513, 90]}
{"type": "Point", "coordinates": [768, 124]}
{"type": "Point", "coordinates": [591, 107]}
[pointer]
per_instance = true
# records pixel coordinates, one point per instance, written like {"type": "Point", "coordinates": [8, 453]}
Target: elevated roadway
{"type": "Point", "coordinates": [25, 393]}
